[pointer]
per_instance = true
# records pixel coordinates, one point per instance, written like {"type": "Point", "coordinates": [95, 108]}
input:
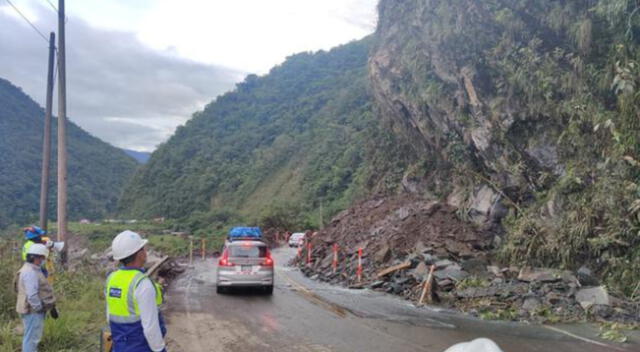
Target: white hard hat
{"type": "Point", "coordinates": [477, 345]}
{"type": "Point", "coordinates": [38, 249]}
{"type": "Point", "coordinates": [126, 244]}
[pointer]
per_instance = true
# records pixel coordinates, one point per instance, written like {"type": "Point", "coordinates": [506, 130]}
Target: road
{"type": "Point", "coordinates": [304, 315]}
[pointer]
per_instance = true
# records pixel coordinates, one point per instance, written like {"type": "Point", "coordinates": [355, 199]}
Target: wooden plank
{"type": "Point", "coordinates": [157, 265]}
{"type": "Point", "coordinates": [426, 288]}
{"type": "Point", "coordinates": [393, 269]}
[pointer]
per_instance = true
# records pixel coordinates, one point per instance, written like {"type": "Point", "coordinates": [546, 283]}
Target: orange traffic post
{"type": "Point", "coordinates": [309, 253]}
{"type": "Point", "coordinates": [359, 272]}
{"type": "Point", "coordinates": [335, 258]}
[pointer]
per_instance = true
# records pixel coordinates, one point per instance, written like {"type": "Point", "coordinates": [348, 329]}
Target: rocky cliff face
{"type": "Point", "coordinates": [516, 108]}
{"type": "Point", "coordinates": [444, 72]}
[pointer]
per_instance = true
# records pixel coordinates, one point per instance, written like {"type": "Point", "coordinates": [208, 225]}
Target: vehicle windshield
{"type": "Point", "coordinates": [247, 251]}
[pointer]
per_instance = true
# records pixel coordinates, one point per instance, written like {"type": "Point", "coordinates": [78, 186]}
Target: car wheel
{"type": "Point", "coordinates": [268, 290]}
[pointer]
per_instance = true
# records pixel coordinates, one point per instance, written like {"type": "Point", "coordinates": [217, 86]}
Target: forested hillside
{"type": "Point", "coordinates": [97, 171]}
{"type": "Point", "coordinates": [301, 136]}
{"type": "Point", "coordinates": [530, 112]}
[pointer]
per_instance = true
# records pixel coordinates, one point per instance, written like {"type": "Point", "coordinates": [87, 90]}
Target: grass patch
{"type": "Point", "coordinates": [508, 313]}
{"type": "Point", "coordinates": [615, 331]}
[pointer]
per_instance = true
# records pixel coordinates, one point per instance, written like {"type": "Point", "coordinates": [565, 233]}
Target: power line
{"type": "Point", "coordinates": [29, 22]}
{"type": "Point", "coordinates": [52, 6]}
{"type": "Point", "coordinates": [55, 9]}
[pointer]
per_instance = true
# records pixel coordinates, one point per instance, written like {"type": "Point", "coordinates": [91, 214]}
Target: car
{"type": "Point", "coordinates": [246, 263]}
{"type": "Point", "coordinates": [296, 239]}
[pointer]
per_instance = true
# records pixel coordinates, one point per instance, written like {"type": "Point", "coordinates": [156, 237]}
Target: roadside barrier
{"type": "Point", "coordinates": [334, 264]}
{"type": "Point", "coordinates": [359, 271]}
{"type": "Point", "coordinates": [427, 287]}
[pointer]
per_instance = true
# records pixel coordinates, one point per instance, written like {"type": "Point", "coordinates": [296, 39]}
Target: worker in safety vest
{"type": "Point", "coordinates": [34, 297]}
{"type": "Point", "coordinates": [33, 235]}
{"type": "Point", "coordinates": [133, 299]}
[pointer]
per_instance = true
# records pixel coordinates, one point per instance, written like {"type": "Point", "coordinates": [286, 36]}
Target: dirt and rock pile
{"type": "Point", "coordinates": [403, 238]}
{"type": "Point", "coordinates": [165, 268]}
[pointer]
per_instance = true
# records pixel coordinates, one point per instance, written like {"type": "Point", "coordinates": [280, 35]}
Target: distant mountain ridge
{"type": "Point", "coordinates": [141, 157]}
{"type": "Point", "coordinates": [97, 171]}
{"type": "Point", "coordinates": [301, 137]}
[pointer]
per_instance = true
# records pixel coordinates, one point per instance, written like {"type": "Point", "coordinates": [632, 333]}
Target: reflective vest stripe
{"type": "Point", "coordinates": [123, 320]}
{"type": "Point", "coordinates": [132, 303]}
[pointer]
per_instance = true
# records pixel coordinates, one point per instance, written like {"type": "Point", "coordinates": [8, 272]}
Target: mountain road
{"type": "Point", "coordinates": [306, 315]}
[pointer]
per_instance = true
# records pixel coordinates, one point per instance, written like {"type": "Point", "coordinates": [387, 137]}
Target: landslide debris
{"type": "Point", "coordinates": [165, 268]}
{"type": "Point", "coordinates": [402, 237]}
{"type": "Point", "coordinates": [501, 101]}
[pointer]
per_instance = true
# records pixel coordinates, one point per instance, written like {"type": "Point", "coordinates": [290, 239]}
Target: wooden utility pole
{"type": "Point", "coordinates": [46, 139]}
{"type": "Point", "coordinates": [62, 131]}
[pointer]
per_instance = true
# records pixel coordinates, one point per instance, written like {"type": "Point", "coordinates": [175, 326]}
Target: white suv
{"type": "Point", "coordinates": [296, 239]}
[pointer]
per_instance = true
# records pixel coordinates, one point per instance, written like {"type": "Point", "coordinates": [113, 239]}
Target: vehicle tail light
{"type": "Point", "coordinates": [268, 260]}
{"type": "Point", "coordinates": [224, 260]}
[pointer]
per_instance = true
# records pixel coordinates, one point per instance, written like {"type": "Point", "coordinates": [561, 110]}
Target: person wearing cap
{"type": "Point", "coordinates": [33, 235]}
{"type": "Point", "coordinates": [35, 296]}
{"type": "Point", "coordinates": [133, 299]}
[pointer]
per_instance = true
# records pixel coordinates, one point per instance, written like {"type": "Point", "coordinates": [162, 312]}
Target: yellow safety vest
{"type": "Point", "coordinates": [122, 305]}
{"type": "Point", "coordinates": [25, 249]}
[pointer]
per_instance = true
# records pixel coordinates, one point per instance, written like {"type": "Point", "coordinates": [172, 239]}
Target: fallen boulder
{"type": "Point", "coordinates": [529, 274]}
{"type": "Point", "coordinates": [588, 297]}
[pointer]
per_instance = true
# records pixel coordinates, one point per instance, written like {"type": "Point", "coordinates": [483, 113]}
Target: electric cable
{"type": "Point", "coordinates": [29, 22]}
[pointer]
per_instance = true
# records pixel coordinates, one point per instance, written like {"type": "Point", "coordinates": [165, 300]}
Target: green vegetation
{"type": "Point", "coordinates": [97, 170]}
{"type": "Point", "coordinates": [615, 331]}
{"type": "Point", "coordinates": [508, 313]}
{"type": "Point", "coordinates": [281, 147]}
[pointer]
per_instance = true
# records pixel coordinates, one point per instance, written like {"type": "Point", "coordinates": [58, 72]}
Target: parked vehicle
{"type": "Point", "coordinates": [245, 263]}
{"type": "Point", "coordinates": [296, 239]}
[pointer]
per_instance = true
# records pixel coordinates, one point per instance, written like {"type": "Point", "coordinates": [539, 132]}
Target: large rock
{"type": "Point", "coordinates": [441, 264]}
{"type": "Point", "coordinates": [420, 272]}
{"type": "Point", "coordinates": [383, 254]}
{"type": "Point", "coordinates": [586, 277]}
{"type": "Point", "coordinates": [453, 272]}
{"type": "Point", "coordinates": [588, 297]}
{"type": "Point", "coordinates": [529, 274]}
{"type": "Point", "coordinates": [530, 304]}
{"type": "Point", "coordinates": [475, 266]}
{"type": "Point", "coordinates": [485, 206]}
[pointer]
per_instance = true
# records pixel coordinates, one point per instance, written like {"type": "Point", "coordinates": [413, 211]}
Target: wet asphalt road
{"type": "Point", "coordinates": [304, 315]}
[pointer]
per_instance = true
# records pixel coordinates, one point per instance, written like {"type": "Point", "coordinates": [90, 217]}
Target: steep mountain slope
{"type": "Point", "coordinates": [97, 171]}
{"type": "Point", "coordinates": [528, 110]}
{"type": "Point", "coordinates": [297, 137]}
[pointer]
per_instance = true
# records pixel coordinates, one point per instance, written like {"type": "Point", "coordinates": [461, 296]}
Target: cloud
{"type": "Point", "coordinates": [117, 88]}
{"type": "Point", "coordinates": [254, 35]}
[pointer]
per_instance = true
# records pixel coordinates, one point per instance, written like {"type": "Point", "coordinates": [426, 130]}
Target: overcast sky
{"type": "Point", "coordinates": [136, 69]}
